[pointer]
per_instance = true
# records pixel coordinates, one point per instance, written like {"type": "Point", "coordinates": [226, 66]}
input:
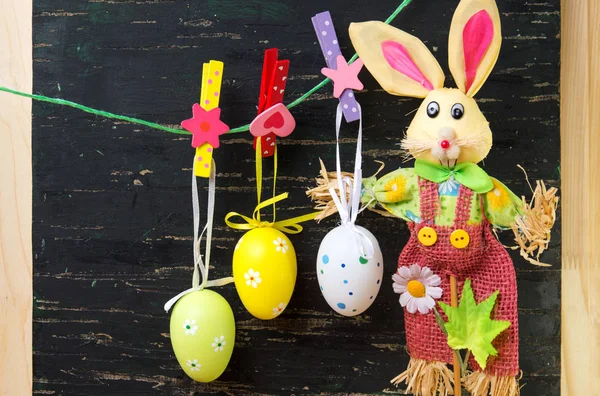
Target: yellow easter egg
{"type": "Point", "coordinates": [264, 271]}
{"type": "Point", "coordinates": [202, 334]}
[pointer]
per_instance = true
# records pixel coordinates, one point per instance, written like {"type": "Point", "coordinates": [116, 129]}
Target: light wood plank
{"type": "Point", "coordinates": [15, 200]}
{"type": "Point", "coordinates": [580, 153]}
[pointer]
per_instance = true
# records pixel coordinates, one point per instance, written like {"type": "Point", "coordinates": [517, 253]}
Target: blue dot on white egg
{"type": "Point", "coordinates": [325, 259]}
{"type": "Point", "coordinates": [341, 305]}
{"type": "Point", "coordinates": [345, 281]}
{"type": "Point", "coordinates": [350, 293]}
{"type": "Point", "coordinates": [343, 265]}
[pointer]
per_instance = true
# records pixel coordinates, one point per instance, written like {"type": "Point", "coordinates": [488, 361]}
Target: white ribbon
{"type": "Point", "coordinates": [201, 267]}
{"type": "Point", "coordinates": [348, 208]}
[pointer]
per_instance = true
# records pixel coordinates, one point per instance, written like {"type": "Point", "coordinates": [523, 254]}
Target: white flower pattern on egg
{"type": "Point", "coordinates": [190, 326]}
{"type": "Point", "coordinates": [194, 365]}
{"type": "Point", "coordinates": [281, 245]}
{"type": "Point", "coordinates": [279, 309]}
{"type": "Point", "coordinates": [219, 343]}
{"type": "Point", "coordinates": [252, 278]}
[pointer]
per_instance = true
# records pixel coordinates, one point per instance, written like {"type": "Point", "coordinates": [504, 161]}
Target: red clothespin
{"type": "Point", "coordinates": [272, 88]}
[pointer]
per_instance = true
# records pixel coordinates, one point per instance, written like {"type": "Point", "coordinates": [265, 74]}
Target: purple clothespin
{"type": "Point", "coordinates": [323, 25]}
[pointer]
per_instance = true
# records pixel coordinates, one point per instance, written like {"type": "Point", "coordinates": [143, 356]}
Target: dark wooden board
{"type": "Point", "coordinates": [112, 214]}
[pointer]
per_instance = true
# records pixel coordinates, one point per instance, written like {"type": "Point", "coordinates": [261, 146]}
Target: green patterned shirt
{"type": "Point", "coordinates": [398, 193]}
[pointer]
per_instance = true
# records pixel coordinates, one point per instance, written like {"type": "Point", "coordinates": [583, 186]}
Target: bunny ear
{"type": "Point", "coordinates": [474, 43]}
{"type": "Point", "coordinates": [401, 63]}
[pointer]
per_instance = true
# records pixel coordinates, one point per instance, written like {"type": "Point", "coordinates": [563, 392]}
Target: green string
{"type": "Point", "coordinates": [179, 131]}
{"type": "Point", "coordinates": [102, 113]}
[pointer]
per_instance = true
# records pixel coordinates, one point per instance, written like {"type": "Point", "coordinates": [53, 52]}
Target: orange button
{"type": "Point", "coordinates": [427, 236]}
{"type": "Point", "coordinates": [459, 239]}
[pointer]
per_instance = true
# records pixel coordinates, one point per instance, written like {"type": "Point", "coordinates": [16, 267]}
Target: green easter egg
{"type": "Point", "coordinates": [202, 334]}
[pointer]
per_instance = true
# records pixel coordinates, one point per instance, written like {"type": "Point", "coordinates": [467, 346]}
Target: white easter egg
{"type": "Point", "coordinates": [349, 281]}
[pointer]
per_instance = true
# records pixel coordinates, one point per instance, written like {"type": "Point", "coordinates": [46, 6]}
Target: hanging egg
{"type": "Point", "coordinates": [264, 271]}
{"type": "Point", "coordinates": [202, 334]}
{"type": "Point", "coordinates": [348, 281]}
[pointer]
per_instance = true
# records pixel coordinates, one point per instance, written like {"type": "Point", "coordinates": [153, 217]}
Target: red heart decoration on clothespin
{"type": "Point", "coordinates": [276, 119]}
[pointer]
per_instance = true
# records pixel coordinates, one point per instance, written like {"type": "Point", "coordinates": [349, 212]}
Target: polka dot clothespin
{"type": "Point", "coordinates": [206, 125]}
{"type": "Point", "coordinates": [272, 88]}
{"type": "Point", "coordinates": [323, 25]}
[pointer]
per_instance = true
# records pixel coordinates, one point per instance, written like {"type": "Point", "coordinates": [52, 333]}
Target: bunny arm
{"type": "Point", "coordinates": [398, 193]}
{"type": "Point", "coordinates": [501, 205]}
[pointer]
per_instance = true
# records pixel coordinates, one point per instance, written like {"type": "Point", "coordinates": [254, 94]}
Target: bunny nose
{"type": "Point", "coordinates": [446, 135]}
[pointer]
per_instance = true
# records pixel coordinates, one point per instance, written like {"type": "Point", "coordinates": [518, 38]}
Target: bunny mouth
{"type": "Point", "coordinates": [446, 151]}
{"type": "Point", "coordinates": [445, 148]}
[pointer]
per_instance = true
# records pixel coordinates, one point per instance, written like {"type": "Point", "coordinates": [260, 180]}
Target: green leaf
{"type": "Point", "coordinates": [470, 327]}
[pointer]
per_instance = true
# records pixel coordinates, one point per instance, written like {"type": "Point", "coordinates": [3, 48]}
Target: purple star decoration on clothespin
{"type": "Point", "coordinates": [323, 25]}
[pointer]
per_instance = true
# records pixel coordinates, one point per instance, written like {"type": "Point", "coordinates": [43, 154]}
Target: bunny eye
{"type": "Point", "coordinates": [457, 111]}
{"type": "Point", "coordinates": [433, 109]}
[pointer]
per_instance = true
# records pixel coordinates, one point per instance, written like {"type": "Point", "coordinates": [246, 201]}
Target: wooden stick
{"type": "Point", "coordinates": [454, 303]}
{"type": "Point", "coordinates": [580, 179]}
{"type": "Point", "coordinates": [16, 286]}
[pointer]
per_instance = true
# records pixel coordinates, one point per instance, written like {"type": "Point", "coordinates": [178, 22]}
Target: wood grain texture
{"type": "Point", "coordinates": [15, 201]}
{"type": "Point", "coordinates": [580, 153]}
{"type": "Point", "coordinates": [112, 212]}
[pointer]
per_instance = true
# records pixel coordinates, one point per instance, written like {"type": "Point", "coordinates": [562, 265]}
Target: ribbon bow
{"type": "Point", "coordinates": [289, 226]}
{"type": "Point", "coordinates": [466, 173]}
{"type": "Point", "coordinates": [348, 206]}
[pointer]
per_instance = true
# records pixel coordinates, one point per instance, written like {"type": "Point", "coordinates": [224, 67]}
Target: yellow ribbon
{"type": "Point", "coordinates": [289, 226]}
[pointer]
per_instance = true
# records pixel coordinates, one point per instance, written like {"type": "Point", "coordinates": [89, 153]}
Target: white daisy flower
{"type": "Point", "coordinates": [252, 278]}
{"type": "Point", "coordinates": [237, 245]}
{"type": "Point", "coordinates": [219, 343]}
{"type": "Point", "coordinates": [190, 326]}
{"type": "Point", "coordinates": [194, 365]}
{"type": "Point", "coordinates": [417, 286]}
{"type": "Point", "coordinates": [281, 245]}
{"type": "Point", "coordinates": [279, 309]}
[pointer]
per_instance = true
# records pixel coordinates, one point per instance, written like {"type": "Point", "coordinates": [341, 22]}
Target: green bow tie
{"type": "Point", "coordinates": [466, 173]}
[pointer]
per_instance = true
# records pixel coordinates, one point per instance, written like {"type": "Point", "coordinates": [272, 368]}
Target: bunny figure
{"type": "Point", "coordinates": [449, 202]}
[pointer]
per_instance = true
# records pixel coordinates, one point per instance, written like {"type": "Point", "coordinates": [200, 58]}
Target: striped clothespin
{"type": "Point", "coordinates": [206, 125]}
{"type": "Point", "coordinates": [325, 31]}
{"type": "Point", "coordinates": [272, 88]}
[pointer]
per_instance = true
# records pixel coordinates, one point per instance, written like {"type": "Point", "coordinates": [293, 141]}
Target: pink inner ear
{"type": "Point", "coordinates": [477, 36]}
{"type": "Point", "coordinates": [398, 58]}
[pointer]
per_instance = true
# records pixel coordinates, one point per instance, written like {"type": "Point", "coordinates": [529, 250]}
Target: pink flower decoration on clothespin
{"type": "Point", "coordinates": [345, 76]}
{"type": "Point", "coordinates": [205, 126]}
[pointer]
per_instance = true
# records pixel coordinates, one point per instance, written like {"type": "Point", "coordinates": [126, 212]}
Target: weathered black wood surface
{"type": "Point", "coordinates": [112, 214]}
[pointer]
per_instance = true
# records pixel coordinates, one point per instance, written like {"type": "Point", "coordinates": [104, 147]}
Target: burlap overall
{"type": "Point", "coordinates": [484, 261]}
